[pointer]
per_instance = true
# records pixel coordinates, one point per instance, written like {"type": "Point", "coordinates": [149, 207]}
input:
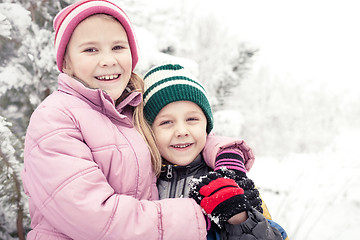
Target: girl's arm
{"type": "Point", "coordinates": [69, 191]}
{"type": "Point", "coordinates": [215, 144]}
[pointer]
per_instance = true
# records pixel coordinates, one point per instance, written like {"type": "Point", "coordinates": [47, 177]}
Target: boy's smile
{"type": "Point", "coordinates": [98, 53]}
{"type": "Point", "coordinates": [182, 146]}
{"type": "Point", "coordinates": [180, 132]}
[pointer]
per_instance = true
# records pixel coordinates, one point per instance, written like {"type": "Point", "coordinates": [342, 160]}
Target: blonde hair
{"type": "Point", "coordinates": [136, 84]}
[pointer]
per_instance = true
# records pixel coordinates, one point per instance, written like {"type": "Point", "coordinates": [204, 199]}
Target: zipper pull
{"type": "Point", "coordinates": [169, 173]}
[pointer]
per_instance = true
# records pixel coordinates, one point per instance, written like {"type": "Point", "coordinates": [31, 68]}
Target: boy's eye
{"type": "Point", "coordinates": [165, 122]}
{"type": "Point", "coordinates": [192, 119]}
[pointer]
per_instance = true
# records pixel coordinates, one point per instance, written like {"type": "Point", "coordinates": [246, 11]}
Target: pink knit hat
{"type": "Point", "coordinates": [67, 20]}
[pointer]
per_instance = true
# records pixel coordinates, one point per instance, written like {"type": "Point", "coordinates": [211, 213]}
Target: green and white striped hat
{"type": "Point", "coordinates": [169, 83]}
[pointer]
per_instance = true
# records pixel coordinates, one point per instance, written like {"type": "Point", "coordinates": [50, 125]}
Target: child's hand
{"type": "Point", "coordinates": [238, 218]}
{"type": "Point", "coordinates": [251, 193]}
{"type": "Point", "coordinates": [221, 198]}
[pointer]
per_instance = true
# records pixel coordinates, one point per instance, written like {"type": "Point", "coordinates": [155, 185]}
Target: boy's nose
{"type": "Point", "coordinates": [181, 130]}
{"type": "Point", "coordinates": [107, 60]}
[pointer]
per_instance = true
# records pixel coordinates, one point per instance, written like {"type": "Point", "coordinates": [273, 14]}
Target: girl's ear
{"type": "Point", "coordinates": [66, 66]}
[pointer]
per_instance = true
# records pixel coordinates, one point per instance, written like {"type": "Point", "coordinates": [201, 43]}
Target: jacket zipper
{"type": "Point", "coordinates": [170, 174]}
{"type": "Point", "coordinates": [184, 184]}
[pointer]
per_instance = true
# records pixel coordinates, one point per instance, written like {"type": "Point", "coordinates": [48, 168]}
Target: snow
{"type": "Point", "coordinates": [10, 78]}
{"type": "Point", "coordinates": [5, 26]}
{"type": "Point", "coordinates": [150, 56]}
{"type": "Point", "coordinates": [16, 14]}
{"type": "Point", "coordinates": [314, 196]}
{"type": "Point", "coordinates": [298, 110]}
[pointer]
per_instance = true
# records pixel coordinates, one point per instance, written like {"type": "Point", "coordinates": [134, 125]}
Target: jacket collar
{"type": "Point", "coordinates": [97, 96]}
{"type": "Point", "coordinates": [181, 171]}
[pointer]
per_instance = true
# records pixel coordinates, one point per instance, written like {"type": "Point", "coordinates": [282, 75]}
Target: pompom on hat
{"type": "Point", "coordinates": [69, 18]}
{"type": "Point", "coordinates": [169, 83]}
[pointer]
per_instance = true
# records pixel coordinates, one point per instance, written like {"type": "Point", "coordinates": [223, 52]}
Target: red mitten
{"type": "Point", "coordinates": [221, 198]}
{"type": "Point", "coordinates": [217, 192]}
{"type": "Point", "coordinates": [230, 163]}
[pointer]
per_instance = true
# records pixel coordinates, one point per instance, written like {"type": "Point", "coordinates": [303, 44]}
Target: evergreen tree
{"type": "Point", "coordinates": [185, 31]}
{"type": "Point", "coordinates": [27, 76]}
{"type": "Point", "coordinates": [12, 201]}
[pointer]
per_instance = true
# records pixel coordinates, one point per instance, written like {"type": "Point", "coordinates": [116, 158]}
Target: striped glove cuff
{"type": "Point", "coordinates": [231, 160]}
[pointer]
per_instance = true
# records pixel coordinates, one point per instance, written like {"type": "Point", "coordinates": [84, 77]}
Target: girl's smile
{"type": "Point", "coordinates": [98, 54]}
{"type": "Point", "coordinates": [108, 77]}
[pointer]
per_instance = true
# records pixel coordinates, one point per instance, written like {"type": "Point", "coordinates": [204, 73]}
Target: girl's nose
{"type": "Point", "coordinates": [107, 60]}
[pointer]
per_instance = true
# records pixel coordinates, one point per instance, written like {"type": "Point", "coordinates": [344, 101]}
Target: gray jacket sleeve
{"type": "Point", "coordinates": [256, 227]}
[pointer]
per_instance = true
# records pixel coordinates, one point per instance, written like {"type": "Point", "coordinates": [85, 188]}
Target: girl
{"type": "Point", "coordinates": [88, 170]}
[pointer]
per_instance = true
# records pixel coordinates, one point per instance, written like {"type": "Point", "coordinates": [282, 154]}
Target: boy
{"type": "Point", "coordinates": [177, 109]}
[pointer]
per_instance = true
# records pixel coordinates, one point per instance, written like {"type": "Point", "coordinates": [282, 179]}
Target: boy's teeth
{"type": "Point", "coordinates": [108, 77]}
{"type": "Point", "coordinates": [181, 146]}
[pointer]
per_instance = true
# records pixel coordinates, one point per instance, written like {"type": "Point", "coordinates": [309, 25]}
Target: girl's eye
{"type": "Point", "coordinates": [90, 50]}
{"type": "Point", "coordinates": [118, 47]}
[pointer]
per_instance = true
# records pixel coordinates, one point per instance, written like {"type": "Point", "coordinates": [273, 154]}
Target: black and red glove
{"type": "Point", "coordinates": [251, 193]}
{"type": "Point", "coordinates": [230, 164]}
{"type": "Point", "coordinates": [221, 198]}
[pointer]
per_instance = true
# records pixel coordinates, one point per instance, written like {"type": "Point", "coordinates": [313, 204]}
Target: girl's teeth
{"type": "Point", "coordinates": [108, 77]}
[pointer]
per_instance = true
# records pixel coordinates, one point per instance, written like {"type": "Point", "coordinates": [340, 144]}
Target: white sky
{"type": "Point", "coordinates": [312, 40]}
{"type": "Point", "coordinates": [316, 39]}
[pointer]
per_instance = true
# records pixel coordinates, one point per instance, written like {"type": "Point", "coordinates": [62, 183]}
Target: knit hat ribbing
{"type": "Point", "coordinates": [68, 19]}
{"type": "Point", "coordinates": [169, 83]}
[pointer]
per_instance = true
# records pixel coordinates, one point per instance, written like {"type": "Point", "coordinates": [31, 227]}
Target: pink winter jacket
{"type": "Point", "coordinates": [87, 172]}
